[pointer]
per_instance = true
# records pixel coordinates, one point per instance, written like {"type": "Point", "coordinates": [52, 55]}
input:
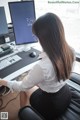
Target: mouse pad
{"type": "Point", "coordinates": [26, 60]}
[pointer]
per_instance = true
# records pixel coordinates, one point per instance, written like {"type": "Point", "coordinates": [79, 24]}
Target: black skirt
{"type": "Point", "coordinates": [51, 105]}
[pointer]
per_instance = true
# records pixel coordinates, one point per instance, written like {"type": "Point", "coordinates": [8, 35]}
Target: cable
{"type": "Point", "coordinates": [1, 102]}
{"type": "Point", "coordinates": [7, 102]}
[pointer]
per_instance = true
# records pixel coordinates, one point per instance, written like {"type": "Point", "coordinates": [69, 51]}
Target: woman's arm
{"type": "Point", "coordinates": [34, 77]}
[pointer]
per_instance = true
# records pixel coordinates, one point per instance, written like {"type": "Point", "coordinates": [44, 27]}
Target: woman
{"type": "Point", "coordinates": [53, 96]}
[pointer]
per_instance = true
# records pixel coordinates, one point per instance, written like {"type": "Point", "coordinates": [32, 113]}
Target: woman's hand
{"type": "Point", "coordinates": [3, 82]}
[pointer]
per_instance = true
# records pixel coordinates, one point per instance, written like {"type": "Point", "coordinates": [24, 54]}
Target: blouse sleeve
{"type": "Point", "coordinates": [34, 77]}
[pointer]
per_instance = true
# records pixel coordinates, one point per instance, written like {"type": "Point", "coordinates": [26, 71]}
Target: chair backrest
{"type": "Point", "coordinates": [29, 113]}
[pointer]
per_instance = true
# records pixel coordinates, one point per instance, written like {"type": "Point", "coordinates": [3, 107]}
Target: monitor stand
{"type": "Point", "coordinates": [2, 40]}
{"type": "Point", "coordinates": [19, 48]}
{"type": "Point", "coordinates": [26, 47]}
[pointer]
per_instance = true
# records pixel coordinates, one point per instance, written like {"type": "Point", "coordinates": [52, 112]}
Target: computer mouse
{"type": "Point", "coordinates": [32, 54]}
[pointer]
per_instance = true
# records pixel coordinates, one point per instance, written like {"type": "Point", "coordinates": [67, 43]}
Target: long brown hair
{"type": "Point", "coordinates": [49, 29]}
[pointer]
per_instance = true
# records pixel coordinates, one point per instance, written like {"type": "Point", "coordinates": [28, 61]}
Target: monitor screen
{"type": "Point", "coordinates": [23, 16]}
{"type": "Point", "coordinates": [3, 22]}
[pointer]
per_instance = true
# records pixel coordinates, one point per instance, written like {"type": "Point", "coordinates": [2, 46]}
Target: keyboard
{"type": "Point", "coordinates": [9, 61]}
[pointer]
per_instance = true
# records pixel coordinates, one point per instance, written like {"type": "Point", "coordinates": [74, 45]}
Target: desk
{"type": "Point", "coordinates": [22, 66]}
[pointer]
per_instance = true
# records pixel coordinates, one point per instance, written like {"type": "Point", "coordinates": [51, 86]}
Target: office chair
{"type": "Point", "coordinates": [72, 112]}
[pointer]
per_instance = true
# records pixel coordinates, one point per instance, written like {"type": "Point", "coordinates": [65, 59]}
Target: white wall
{"type": "Point", "coordinates": [5, 4]}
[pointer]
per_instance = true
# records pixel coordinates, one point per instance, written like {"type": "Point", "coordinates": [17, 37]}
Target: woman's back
{"type": "Point", "coordinates": [50, 82]}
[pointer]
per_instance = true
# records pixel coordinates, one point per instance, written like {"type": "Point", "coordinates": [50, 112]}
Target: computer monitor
{"type": "Point", "coordinates": [23, 16]}
{"type": "Point", "coordinates": [3, 25]}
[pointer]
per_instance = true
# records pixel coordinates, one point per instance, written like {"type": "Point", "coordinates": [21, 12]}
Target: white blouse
{"type": "Point", "coordinates": [42, 75]}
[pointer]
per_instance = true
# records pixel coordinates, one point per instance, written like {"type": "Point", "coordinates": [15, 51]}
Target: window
{"type": "Point", "coordinates": [69, 12]}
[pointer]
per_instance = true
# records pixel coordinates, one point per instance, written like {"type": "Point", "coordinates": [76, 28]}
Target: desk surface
{"type": "Point", "coordinates": [25, 64]}
{"type": "Point", "coordinates": [25, 61]}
